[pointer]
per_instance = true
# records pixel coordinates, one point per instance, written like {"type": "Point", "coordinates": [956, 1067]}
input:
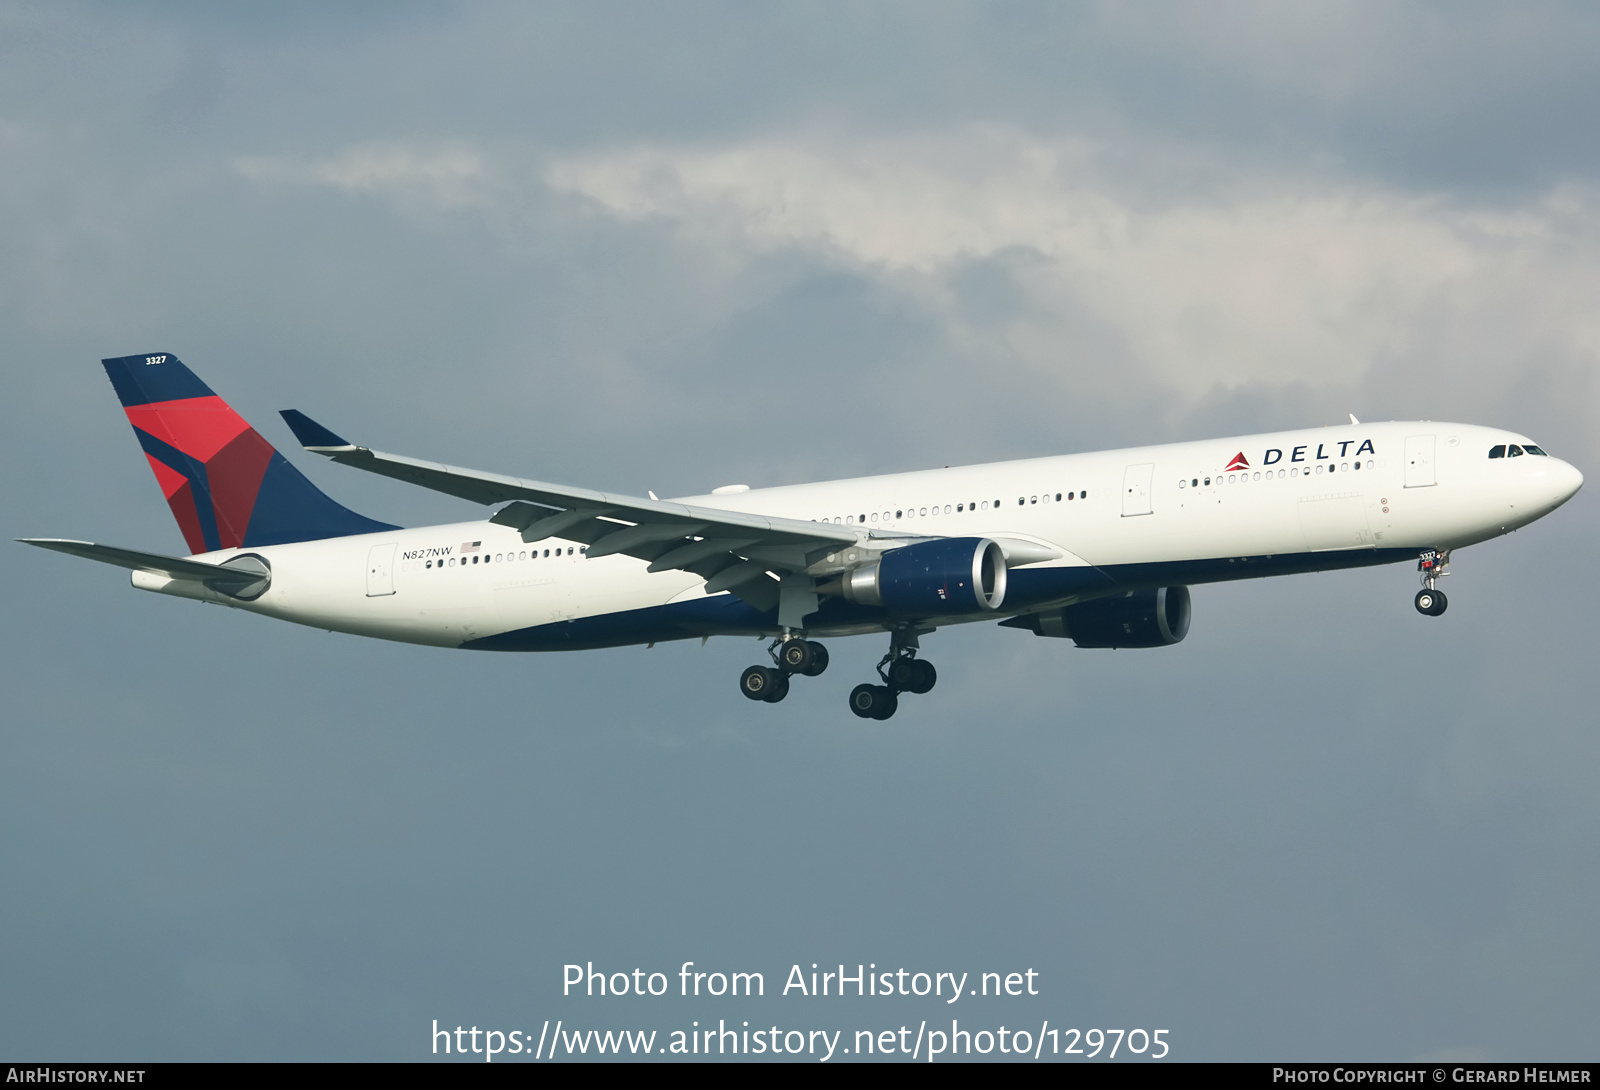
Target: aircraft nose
{"type": "Point", "coordinates": [1565, 480]}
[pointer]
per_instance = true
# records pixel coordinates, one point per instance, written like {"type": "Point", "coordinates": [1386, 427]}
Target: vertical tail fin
{"type": "Point", "coordinates": [227, 486]}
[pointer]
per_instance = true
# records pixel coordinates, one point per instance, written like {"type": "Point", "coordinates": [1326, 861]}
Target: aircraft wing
{"type": "Point", "coordinates": [731, 550]}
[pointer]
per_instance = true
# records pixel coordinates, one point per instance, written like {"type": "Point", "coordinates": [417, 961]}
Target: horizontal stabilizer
{"type": "Point", "coordinates": [213, 575]}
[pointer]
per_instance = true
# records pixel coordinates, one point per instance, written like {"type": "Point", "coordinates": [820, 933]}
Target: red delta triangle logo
{"type": "Point", "coordinates": [1239, 462]}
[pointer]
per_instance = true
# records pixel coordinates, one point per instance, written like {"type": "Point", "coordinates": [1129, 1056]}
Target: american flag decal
{"type": "Point", "coordinates": [471, 546]}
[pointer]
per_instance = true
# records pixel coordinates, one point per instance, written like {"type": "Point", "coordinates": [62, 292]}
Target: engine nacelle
{"type": "Point", "coordinates": [1142, 618]}
{"type": "Point", "coordinates": [955, 575]}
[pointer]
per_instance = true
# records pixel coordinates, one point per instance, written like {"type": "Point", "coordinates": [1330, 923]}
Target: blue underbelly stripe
{"type": "Point", "coordinates": [726, 615]}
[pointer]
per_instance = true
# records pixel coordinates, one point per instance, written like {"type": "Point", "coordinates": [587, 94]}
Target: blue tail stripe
{"type": "Point", "coordinates": [199, 486]}
{"type": "Point", "coordinates": [290, 508]}
{"type": "Point", "coordinates": [159, 376]}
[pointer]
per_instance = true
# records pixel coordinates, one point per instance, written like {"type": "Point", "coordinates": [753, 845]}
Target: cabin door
{"type": "Point", "coordinates": [380, 570]}
{"type": "Point", "coordinates": [1419, 461]}
{"type": "Point", "coordinates": [1136, 489]}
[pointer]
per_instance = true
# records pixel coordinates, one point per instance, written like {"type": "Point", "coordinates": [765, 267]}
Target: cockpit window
{"type": "Point", "coordinates": [1513, 451]}
{"type": "Point", "coordinates": [1531, 449]}
{"type": "Point", "coordinates": [1497, 451]}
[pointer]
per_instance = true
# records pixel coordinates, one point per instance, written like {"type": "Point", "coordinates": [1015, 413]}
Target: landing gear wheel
{"type": "Point", "coordinates": [778, 691]}
{"type": "Point", "coordinates": [908, 675]}
{"type": "Point", "coordinates": [795, 656]}
{"type": "Point", "coordinates": [1431, 602]}
{"type": "Point", "coordinates": [923, 676]}
{"type": "Point", "coordinates": [819, 660]}
{"type": "Point", "coordinates": [873, 701]}
{"type": "Point", "coordinates": [759, 683]}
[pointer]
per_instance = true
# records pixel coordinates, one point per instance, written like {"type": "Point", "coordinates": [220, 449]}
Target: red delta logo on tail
{"type": "Point", "coordinates": [1239, 462]}
{"type": "Point", "coordinates": [233, 456]}
{"type": "Point", "coordinates": [227, 486]}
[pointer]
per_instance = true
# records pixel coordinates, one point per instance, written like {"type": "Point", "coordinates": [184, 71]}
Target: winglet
{"type": "Point", "coordinates": [313, 436]}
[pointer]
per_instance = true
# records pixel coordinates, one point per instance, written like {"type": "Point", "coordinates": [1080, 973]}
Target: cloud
{"type": "Point", "coordinates": [1270, 281]}
{"type": "Point", "coordinates": [445, 177]}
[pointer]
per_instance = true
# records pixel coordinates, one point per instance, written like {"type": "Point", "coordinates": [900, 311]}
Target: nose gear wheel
{"type": "Point", "coordinates": [1430, 601]}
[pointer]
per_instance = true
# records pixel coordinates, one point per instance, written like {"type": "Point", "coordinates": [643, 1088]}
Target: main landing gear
{"type": "Point", "coordinates": [1431, 564]}
{"type": "Point", "coordinates": [790, 655]}
{"type": "Point", "coordinates": [901, 671]}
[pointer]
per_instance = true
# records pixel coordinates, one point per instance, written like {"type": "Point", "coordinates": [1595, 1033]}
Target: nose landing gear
{"type": "Point", "coordinates": [901, 671]}
{"type": "Point", "coordinates": [1429, 601]}
{"type": "Point", "coordinates": [791, 655]}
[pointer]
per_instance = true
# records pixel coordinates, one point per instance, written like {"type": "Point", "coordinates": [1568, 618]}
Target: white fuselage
{"type": "Point", "coordinates": [1334, 497]}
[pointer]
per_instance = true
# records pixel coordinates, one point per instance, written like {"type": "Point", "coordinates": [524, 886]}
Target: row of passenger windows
{"type": "Point", "coordinates": [907, 513]}
{"type": "Point", "coordinates": [500, 558]}
{"type": "Point", "coordinates": [1243, 478]}
{"type": "Point", "coordinates": [1511, 450]}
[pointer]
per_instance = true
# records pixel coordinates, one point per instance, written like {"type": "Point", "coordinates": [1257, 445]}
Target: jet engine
{"type": "Point", "coordinates": [1141, 618]}
{"type": "Point", "coordinates": [952, 575]}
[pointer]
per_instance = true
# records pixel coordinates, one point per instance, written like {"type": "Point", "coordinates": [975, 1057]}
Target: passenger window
{"type": "Point", "coordinates": [1071, 494]}
{"type": "Point", "coordinates": [1513, 451]}
{"type": "Point", "coordinates": [1083, 495]}
{"type": "Point", "coordinates": [1497, 451]}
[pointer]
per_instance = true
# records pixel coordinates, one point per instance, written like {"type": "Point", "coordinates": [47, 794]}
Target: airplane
{"type": "Point", "coordinates": [1099, 548]}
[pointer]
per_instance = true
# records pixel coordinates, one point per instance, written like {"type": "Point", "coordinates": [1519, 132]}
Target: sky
{"type": "Point", "coordinates": [669, 247]}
